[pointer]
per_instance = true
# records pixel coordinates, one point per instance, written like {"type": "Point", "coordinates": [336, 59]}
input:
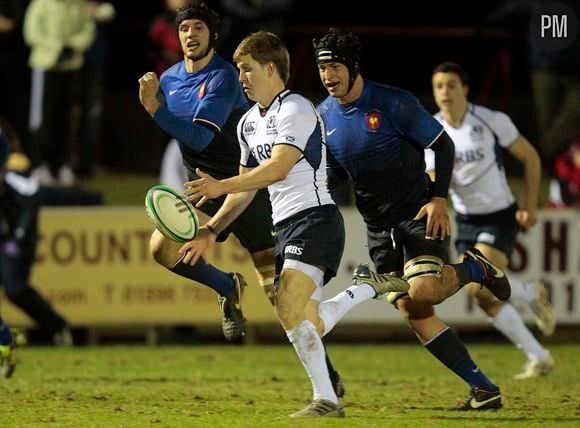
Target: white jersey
{"type": "Point", "coordinates": [479, 184]}
{"type": "Point", "coordinates": [291, 120]}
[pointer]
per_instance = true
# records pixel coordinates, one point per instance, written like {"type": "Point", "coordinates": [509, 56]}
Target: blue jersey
{"type": "Point", "coordinates": [212, 98]}
{"type": "Point", "coordinates": [379, 141]}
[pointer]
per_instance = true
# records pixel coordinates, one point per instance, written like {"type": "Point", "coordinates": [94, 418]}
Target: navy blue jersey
{"type": "Point", "coordinates": [212, 98]}
{"type": "Point", "coordinates": [379, 141]}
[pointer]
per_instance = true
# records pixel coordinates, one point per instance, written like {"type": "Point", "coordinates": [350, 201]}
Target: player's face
{"type": "Point", "coordinates": [335, 78]}
{"type": "Point", "coordinates": [194, 38]}
{"type": "Point", "coordinates": [448, 91]}
{"type": "Point", "coordinates": [254, 78]}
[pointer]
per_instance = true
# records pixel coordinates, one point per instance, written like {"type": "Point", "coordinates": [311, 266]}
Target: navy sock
{"type": "Point", "coordinates": [5, 334]}
{"type": "Point", "coordinates": [469, 271]}
{"type": "Point", "coordinates": [451, 351]}
{"type": "Point", "coordinates": [220, 281]}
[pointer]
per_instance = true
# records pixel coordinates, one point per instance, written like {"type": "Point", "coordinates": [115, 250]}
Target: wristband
{"type": "Point", "coordinates": [211, 229]}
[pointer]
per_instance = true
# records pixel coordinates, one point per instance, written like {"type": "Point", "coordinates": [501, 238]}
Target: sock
{"type": "Point", "coordinates": [451, 351]}
{"type": "Point", "coordinates": [310, 350]}
{"type": "Point", "coordinates": [521, 290]}
{"type": "Point", "coordinates": [469, 271]}
{"type": "Point", "coordinates": [221, 282]}
{"type": "Point", "coordinates": [332, 310]}
{"type": "Point", "coordinates": [5, 334]}
{"type": "Point", "coordinates": [334, 377]}
{"type": "Point", "coordinates": [510, 323]}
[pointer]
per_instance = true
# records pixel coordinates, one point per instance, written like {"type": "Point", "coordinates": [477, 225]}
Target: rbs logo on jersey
{"type": "Point", "coordinates": [293, 249]}
{"type": "Point", "coordinates": [468, 156]}
{"type": "Point", "coordinates": [262, 152]}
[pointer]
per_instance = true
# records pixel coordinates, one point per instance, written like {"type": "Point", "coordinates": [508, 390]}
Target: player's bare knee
{"type": "Point", "coordinates": [161, 250]}
{"type": "Point", "coordinates": [155, 246]}
{"type": "Point", "coordinates": [423, 291]}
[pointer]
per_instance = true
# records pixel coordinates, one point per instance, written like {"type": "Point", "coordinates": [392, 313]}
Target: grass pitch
{"type": "Point", "coordinates": [258, 386]}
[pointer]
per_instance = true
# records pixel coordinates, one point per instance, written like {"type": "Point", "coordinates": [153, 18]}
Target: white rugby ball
{"type": "Point", "coordinates": [171, 213]}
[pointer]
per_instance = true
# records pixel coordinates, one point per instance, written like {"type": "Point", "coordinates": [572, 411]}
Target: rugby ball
{"type": "Point", "coordinates": [171, 213]}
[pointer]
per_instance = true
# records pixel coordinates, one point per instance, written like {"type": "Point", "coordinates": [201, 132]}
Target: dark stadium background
{"type": "Point", "coordinates": [402, 41]}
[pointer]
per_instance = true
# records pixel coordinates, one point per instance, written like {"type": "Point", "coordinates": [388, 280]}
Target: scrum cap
{"type": "Point", "coordinates": [200, 10]}
{"type": "Point", "coordinates": [339, 47]}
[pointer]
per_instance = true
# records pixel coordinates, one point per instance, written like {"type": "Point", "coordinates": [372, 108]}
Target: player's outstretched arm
{"type": "Point", "coordinates": [523, 150]}
{"type": "Point", "coordinates": [232, 207]}
{"type": "Point", "coordinates": [283, 158]}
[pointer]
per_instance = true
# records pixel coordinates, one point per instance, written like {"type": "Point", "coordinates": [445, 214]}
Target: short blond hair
{"type": "Point", "coordinates": [265, 47]}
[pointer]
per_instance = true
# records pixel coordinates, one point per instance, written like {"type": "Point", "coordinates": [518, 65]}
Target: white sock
{"type": "Point", "coordinates": [310, 350]}
{"type": "Point", "coordinates": [332, 310]}
{"type": "Point", "coordinates": [509, 322]}
{"type": "Point", "coordinates": [521, 290]}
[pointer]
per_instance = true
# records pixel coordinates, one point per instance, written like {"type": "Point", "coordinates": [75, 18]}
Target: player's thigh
{"type": "Point", "coordinates": [383, 253]}
{"type": "Point", "coordinates": [423, 258]}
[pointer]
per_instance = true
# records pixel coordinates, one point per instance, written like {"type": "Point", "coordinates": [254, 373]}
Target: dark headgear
{"type": "Point", "coordinates": [200, 10]}
{"type": "Point", "coordinates": [339, 47]}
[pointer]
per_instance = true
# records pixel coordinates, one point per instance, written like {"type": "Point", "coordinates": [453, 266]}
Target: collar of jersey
{"type": "Point", "coordinates": [277, 99]}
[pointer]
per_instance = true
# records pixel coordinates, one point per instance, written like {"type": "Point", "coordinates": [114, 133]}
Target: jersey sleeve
{"type": "Point", "coordinates": [505, 129]}
{"type": "Point", "coordinates": [221, 93]}
{"type": "Point", "coordinates": [297, 123]}
{"type": "Point", "coordinates": [247, 160]}
{"type": "Point", "coordinates": [413, 121]}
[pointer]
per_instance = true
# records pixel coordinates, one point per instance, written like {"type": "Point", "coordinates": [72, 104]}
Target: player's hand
{"type": "Point", "coordinates": [198, 247]}
{"type": "Point", "coordinates": [206, 187]}
{"type": "Point", "coordinates": [148, 88]}
{"type": "Point", "coordinates": [438, 225]}
{"type": "Point", "coordinates": [526, 218]}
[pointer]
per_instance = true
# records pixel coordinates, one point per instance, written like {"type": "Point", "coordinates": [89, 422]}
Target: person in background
{"type": "Point", "coordinates": [23, 197]}
{"type": "Point", "coordinates": [14, 72]}
{"type": "Point", "coordinates": [487, 214]}
{"type": "Point", "coordinates": [92, 90]}
{"type": "Point", "coordinates": [58, 33]}
{"type": "Point", "coordinates": [565, 186]}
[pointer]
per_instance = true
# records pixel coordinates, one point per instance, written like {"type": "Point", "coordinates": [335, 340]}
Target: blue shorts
{"type": "Point", "coordinates": [314, 236]}
{"type": "Point", "coordinates": [390, 249]}
{"type": "Point", "coordinates": [498, 230]}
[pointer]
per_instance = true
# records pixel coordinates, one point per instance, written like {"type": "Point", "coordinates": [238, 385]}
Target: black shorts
{"type": "Point", "coordinates": [314, 236]}
{"type": "Point", "coordinates": [498, 229]}
{"type": "Point", "coordinates": [253, 227]}
{"type": "Point", "coordinates": [391, 249]}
